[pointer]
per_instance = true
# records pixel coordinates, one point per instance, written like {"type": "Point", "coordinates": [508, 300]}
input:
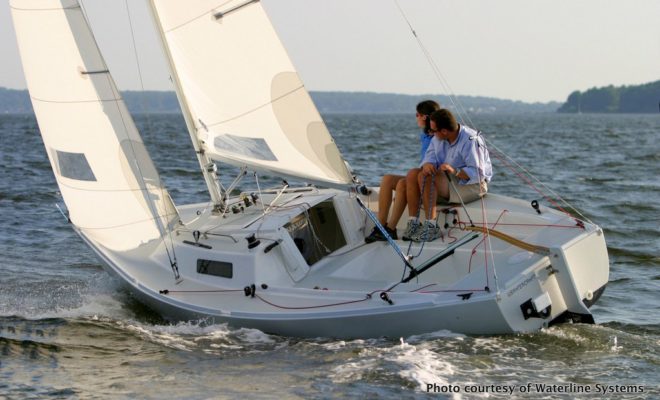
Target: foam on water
{"type": "Point", "coordinates": [421, 365]}
{"type": "Point", "coordinates": [415, 366]}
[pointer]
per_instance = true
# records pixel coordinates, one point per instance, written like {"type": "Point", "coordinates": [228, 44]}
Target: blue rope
{"type": "Point", "coordinates": [384, 232]}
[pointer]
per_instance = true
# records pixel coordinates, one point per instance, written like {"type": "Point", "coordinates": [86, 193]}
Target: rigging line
{"type": "Point", "coordinates": [538, 181]}
{"type": "Point", "coordinates": [481, 159]}
{"type": "Point", "coordinates": [367, 298]}
{"type": "Point", "coordinates": [317, 240]}
{"type": "Point", "coordinates": [458, 106]}
{"type": "Point", "coordinates": [488, 249]}
{"type": "Point", "coordinates": [199, 215]}
{"type": "Point", "coordinates": [525, 179]}
{"type": "Point", "coordinates": [279, 194]}
{"type": "Point", "coordinates": [460, 197]}
{"type": "Point", "coordinates": [227, 192]}
{"type": "Point", "coordinates": [261, 201]}
{"type": "Point", "coordinates": [453, 290]}
{"type": "Point", "coordinates": [198, 16]}
{"type": "Point", "coordinates": [533, 225]}
{"type": "Point", "coordinates": [437, 258]}
{"type": "Point", "coordinates": [463, 115]}
{"type": "Point", "coordinates": [474, 249]}
{"type": "Point", "coordinates": [167, 291]}
{"type": "Point", "coordinates": [163, 225]}
{"type": "Point", "coordinates": [110, 83]}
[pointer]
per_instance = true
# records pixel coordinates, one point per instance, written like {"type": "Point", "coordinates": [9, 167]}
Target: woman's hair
{"type": "Point", "coordinates": [444, 119]}
{"type": "Point", "coordinates": [427, 107]}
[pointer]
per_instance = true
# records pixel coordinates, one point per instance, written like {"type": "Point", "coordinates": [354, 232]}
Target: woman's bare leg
{"type": "Point", "coordinates": [399, 204]}
{"type": "Point", "coordinates": [387, 185]}
{"type": "Point", "coordinates": [412, 192]}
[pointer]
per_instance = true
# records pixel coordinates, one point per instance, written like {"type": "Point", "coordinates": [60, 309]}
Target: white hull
{"type": "Point", "coordinates": [331, 298]}
{"type": "Point", "coordinates": [306, 271]}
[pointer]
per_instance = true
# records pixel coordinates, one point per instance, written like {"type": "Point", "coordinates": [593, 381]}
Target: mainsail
{"type": "Point", "coordinates": [107, 179]}
{"type": "Point", "coordinates": [245, 99]}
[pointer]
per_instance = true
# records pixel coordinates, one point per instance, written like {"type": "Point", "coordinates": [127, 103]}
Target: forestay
{"type": "Point", "coordinates": [245, 99]}
{"type": "Point", "coordinates": [106, 177]}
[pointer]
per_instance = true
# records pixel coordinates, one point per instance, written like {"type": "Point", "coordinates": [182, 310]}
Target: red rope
{"type": "Point", "coordinates": [423, 287]}
{"type": "Point", "coordinates": [454, 290]}
{"type": "Point", "coordinates": [474, 249]}
{"type": "Point", "coordinates": [201, 291]}
{"type": "Point", "coordinates": [536, 225]}
{"type": "Point", "coordinates": [311, 307]}
{"type": "Point", "coordinates": [277, 305]}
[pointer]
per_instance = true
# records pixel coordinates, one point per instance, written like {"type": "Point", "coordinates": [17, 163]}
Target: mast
{"type": "Point", "coordinates": [208, 166]}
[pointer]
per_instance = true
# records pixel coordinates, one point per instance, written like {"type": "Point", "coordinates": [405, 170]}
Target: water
{"type": "Point", "coordinates": [68, 331]}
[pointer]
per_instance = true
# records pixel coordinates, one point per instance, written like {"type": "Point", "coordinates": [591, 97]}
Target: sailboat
{"type": "Point", "coordinates": [290, 260]}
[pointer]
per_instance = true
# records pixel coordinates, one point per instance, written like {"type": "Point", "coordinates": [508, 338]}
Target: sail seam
{"type": "Point", "coordinates": [257, 108]}
{"type": "Point", "coordinates": [101, 190]}
{"type": "Point", "coordinates": [75, 101]}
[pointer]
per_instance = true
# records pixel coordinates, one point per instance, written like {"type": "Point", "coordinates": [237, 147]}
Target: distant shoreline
{"type": "Point", "coordinates": [18, 101]}
{"type": "Point", "coordinates": [610, 99]}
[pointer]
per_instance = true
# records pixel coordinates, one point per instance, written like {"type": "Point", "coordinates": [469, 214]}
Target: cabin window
{"type": "Point", "coordinates": [317, 232]}
{"type": "Point", "coordinates": [249, 147]}
{"type": "Point", "coordinates": [216, 268]}
{"type": "Point", "coordinates": [74, 166]}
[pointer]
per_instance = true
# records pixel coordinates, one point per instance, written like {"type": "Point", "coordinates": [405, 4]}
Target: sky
{"type": "Point", "coordinates": [528, 50]}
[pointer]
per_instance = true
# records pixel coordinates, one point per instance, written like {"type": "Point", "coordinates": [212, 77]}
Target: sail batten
{"type": "Point", "coordinates": [244, 95]}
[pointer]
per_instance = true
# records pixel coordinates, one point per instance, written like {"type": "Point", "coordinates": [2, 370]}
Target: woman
{"type": "Point", "coordinates": [405, 187]}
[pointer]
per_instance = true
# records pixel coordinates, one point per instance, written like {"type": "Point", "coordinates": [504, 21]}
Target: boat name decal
{"type": "Point", "coordinates": [521, 285]}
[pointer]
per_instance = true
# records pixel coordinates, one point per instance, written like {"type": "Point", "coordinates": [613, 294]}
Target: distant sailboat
{"type": "Point", "coordinates": [290, 261]}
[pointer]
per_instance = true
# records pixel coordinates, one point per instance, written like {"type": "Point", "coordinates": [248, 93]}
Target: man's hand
{"type": "Point", "coordinates": [448, 168]}
{"type": "Point", "coordinates": [428, 169]}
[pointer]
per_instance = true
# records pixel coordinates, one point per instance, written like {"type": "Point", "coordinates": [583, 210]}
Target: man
{"type": "Point", "coordinates": [456, 168]}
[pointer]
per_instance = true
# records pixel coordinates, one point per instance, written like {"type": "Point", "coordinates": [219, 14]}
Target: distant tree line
{"type": "Point", "coordinates": [18, 101]}
{"type": "Point", "coordinates": [389, 103]}
{"type": "Point", "coordinates": [610, 99]}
